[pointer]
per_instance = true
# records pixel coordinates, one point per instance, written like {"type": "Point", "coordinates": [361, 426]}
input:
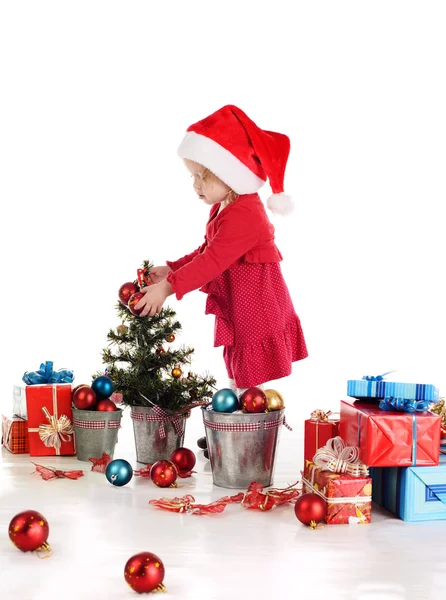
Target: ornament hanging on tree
{"type": "Point", "coordinates": [310, 509]}
{"type": "Point", "coordinates": [85, 398]}
{"type": "Point", "coordinates": [144, 572]}
{"type": "Point", "coordinates": [274, 400]}
{"type": "Point", "coordinates": [225, 400]}
{"type": "Point", "coordinates": [184, 460]}
{"type": "Point", "coordinates": [106, 405]}
{"type": "Point", "coordinates": [119, 472]}
{"type": "Point", "coordinates": [164, 474]}
{"type": "Point", "coordinates": [170, 337]}
{"type": "Point", "coordinates": [160, 350]}
{"type": "Point", "coordinates": [122, 329]}
{"type": "Point", "coordinates": [177, 372]}
{"type": "Point", "coordinates": [133, 302]}
{"type": "Point", "coordinates": [253, 400]}
{"type": "Point", "coordinates": [29, 531]}
{"type": "Point", "coordinates": [126, 291]}
{"type": "Point", "coordinates": [103, 387]}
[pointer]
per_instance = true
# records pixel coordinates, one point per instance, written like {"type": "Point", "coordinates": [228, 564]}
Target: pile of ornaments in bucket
{"type": "Point", "coordinates": [96, 396]}
{"type": "Point", "coordinates": [253, 400]}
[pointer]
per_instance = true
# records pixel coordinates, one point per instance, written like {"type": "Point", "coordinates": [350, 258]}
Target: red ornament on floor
{"type": "Point", "coordinates": [310, 509]}
{"type": "Point", "coordinates": [133, 302]}
{"type": "Point", "coordinates": [126, 291]}
{"type": "Point", "coordinates": [184, 460]}
{"type": "Point", "coordinates": [29, 531]}
{"type": "Point", "coordinates": [164, 474]}
{"type": "Point", "coordinates": [84, 398]}
{"type": "Point", "coordinates": [144, 572]}
{"type": "Point", "coordinates": [254, 400]}
{"type": "Point", "coordinates": [106, 405]}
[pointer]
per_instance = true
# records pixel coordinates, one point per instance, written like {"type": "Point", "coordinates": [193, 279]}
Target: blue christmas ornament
{"type": "Point", "coordinates": [225, 400]}
{"type": "Point", "coordinates": [119, 472]}
{"type": "Point", "coordinates": [103, 387]}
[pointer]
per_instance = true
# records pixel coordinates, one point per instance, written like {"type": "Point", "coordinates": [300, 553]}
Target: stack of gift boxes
{"type": "Point", "coordinates": [396, 436]}
{"type": "Point", "coordinates": [42, 419]}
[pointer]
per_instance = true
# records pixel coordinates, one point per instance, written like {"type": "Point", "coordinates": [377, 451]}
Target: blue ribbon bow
{"type": "Point", "coordinates": [46, 374]}
{"type": "Point", "coordinates": [377, 377]}
{"type": "Point", "coordinates": [404, 405]}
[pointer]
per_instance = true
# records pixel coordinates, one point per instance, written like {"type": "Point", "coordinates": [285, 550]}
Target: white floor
{"type": "Point", "coordinates": [95, 528]}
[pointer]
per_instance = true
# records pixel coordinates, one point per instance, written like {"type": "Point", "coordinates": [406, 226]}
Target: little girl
{"type": "Point", "coordinates": [230, 158]}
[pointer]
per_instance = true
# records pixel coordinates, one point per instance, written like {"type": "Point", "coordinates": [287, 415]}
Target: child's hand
{"type": "Point", "coordinates": [158, 274]}
{"type": "Point", "coordinates": [154, 298]}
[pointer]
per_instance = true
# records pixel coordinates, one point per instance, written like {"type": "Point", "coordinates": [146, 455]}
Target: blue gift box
{"type": "Point", "coordinates": [361, 388]}
{"type": "Point", "coordinates": [412, 493]}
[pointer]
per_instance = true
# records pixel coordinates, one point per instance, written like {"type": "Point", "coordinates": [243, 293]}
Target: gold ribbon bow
{"type": "Point", "coordinates": [320, 415]}
{"type": "Point", "coordinates": [336, 457]}
{"type": "Point", "coordinates": [57, 430]}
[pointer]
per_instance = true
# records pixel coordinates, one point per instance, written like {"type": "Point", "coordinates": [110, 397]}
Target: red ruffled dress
{"type": "Point", "coordinates": [238, 268]}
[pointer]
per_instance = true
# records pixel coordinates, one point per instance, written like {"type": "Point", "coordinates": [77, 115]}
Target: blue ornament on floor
{"type": "Point", "coordinates": [103, 387]}
{"type": "Point", "coordinates": [225, 400]}
{"type": "Point", "coordinates": [119, 472]}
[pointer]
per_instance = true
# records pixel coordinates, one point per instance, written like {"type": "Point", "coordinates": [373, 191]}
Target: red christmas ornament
{"type": "Point", "coordinates": [106, 405]}
{"type": "Point", "coordinates": [160, 350]}
{"type": "Point", "coordinates": [184, 460]}
{"type": "Point", "coordinates": [144, 572]}
{"type": "Point", "coordinates": [254, 400]}
{"type": "Point", "coordinates": [170, 337]}
{"type": "Point", "coordinates": [126, 291]}
{"type": "Point", "coordinates": [133, 302]}
{"type": "Point", "coordinates": [164, 473]}
{"type": "Point", "coordinates": [310, 509]}
{"type": "Point", "coordinates": [29, 531]}
{"type": "Point", "coordinates": [84, 398]}
{"type": "Point", "coordinates": [78, 387]}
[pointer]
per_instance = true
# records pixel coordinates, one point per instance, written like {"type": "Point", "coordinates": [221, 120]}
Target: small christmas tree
{"type": "Point", "coordinates": [143, 366]}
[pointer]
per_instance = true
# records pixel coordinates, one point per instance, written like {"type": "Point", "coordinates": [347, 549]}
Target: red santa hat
{"type": "Point", "coordinates": [241, 154]}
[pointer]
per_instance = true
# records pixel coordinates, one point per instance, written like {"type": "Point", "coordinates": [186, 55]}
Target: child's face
{"type": "Point", "coordinates": [210, 189]}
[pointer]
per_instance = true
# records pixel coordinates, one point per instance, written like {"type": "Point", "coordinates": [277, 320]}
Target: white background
{"type": "Point", "coordinates": [95, 98]}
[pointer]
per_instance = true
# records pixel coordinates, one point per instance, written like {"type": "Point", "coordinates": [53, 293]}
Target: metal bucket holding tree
{"type": "Point", "coordinates": [147, 370]}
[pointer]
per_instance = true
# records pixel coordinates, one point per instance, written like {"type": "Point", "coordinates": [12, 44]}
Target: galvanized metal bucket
{"type": "Point", "coordinates": [242, 447]}
{"type": "Point", "coordinates": [157, 433]}
{"type": "Point", "coordinates": [95, 432]}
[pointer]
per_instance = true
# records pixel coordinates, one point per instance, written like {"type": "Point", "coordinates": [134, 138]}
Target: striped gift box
{"type": "Point", "coordinates": [15, 434]}
{"type": "Point", "coordinates": [361, 388]}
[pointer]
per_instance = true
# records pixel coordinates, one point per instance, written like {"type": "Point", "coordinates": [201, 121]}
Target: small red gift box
{"type": "Point", "coordinates": [391, 438]}
{"type": "Point", "coordinates": [15, 434]}
{"type": "Point", "coordinates": [348, 498]}
{"type": "Point", "coordinates": [50, 419]}
{"type": "Point", "coordinates": [318, 430]}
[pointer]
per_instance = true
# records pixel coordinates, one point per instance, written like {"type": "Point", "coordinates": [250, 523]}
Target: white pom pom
{"type": "Point", "coordinates": [280, 204]}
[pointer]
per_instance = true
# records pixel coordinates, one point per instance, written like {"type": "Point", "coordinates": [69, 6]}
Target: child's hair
{"type": "Point", "coordinates": [208, 176]}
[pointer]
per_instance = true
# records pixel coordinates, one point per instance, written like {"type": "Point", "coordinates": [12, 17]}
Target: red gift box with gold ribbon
{"type": "Point", "coordinates": [342, 480]}
{"type": "Point", "coordinates": [318, 430]}
{"type": "Point", "coordinates": [50, 420]}
{"type": "Point", "coordinates": [15, 434]}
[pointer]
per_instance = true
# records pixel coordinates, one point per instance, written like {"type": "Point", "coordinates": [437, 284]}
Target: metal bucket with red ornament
{"type": "Point", "coordinates": [242, 446]}
{"type": "Point", "coordinates": [157, 433]}
{"type": "Point", "coordinates": [95, 432]}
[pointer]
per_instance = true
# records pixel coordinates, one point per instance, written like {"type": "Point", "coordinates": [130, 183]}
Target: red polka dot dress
{"type": "Point", "coordinates": [238, 267]}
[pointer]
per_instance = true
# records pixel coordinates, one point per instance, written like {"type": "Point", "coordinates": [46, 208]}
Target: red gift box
{"type": "Point", "coordinates": [391, 438]}
{"type": "Point", "coordinates": [348, 498]}
{"type": "Point", "coordinates": [318, 430]}
{"type": "Point", "coordinates": [50, 420]}
{"type": "Point", "coordinates": [15, 434]}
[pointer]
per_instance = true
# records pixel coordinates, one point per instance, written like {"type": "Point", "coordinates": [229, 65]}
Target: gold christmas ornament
{"type": "Point", "coordinates": [177, 372]}
{"type": "Point", "coordinates": [122, 329]}
{"type": "Point", "coordinates": [275, 400]}
{"type": "Point", "coordinates": [170, 337]}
